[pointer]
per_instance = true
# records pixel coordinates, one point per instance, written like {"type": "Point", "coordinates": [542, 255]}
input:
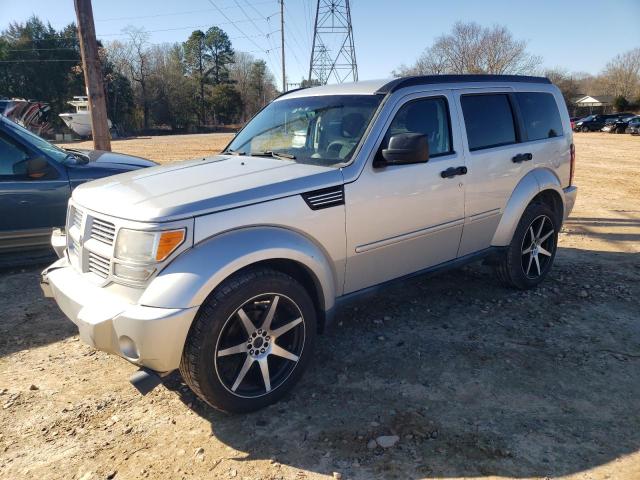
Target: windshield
{"type": "Point", "coordinates": [34, 140]}
{"type": "Point", "coordinates": [322, 130]}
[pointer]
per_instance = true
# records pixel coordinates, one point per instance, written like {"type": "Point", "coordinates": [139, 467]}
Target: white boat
{"type": "Point", "coordinates": [80, 120]}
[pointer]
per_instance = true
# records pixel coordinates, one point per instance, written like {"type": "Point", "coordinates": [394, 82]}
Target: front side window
{"type": "Point", "coordinates": [322, 130]}
{"type": "Point", "coordinates": [539, 114]}
{"type": "Point", "coordinates": [429, 117]}
{"type": "Point", "coordinates": [12, 158]}
{"type": "Point", "coordinates": [35, 141]}
{"type": "Point", "coordinates": [489, 120]}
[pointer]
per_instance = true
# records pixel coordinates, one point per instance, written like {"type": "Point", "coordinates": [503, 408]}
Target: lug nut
{"type": "Point", "coordinates": [267, 337]}
{"type": "Point", "coordinates": [251, 352]}
{"type": "Point", "coordinates": [262, 350]}
{"type": "Point", "coordinates": [260, 332]}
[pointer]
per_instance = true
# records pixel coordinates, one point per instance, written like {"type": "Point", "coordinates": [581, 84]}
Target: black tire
{"type": "Point", "coordinates": [208, 370]}
{"type": "Point", "coordinates": [585, 129]}
{"type": "Point", "coordinates": [518, 269]}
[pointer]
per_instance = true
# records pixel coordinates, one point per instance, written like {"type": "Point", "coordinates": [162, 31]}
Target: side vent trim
{"type": "Point", "coordinates": [324, 198]}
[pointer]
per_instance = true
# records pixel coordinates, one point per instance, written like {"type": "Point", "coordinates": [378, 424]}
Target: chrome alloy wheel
{"type": "Point", "coordinates": [538, 246]}
{"type": "Point", "coordinates": [260, 345]}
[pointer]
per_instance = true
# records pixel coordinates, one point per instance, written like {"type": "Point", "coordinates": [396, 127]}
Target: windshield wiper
{"type": "Point", "coordinates": [232, 152]}
{"type": "Point", "coordinates": [270, 153]}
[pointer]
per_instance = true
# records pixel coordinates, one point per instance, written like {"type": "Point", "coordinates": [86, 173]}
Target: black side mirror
{"type": "Point", "coordinates": [404, 149]}
{"type": "Point", "coordinates": [33, 168]}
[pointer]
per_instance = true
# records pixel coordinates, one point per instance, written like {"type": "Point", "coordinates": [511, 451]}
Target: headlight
{"type": "Point", "coordinates": [138, 246]}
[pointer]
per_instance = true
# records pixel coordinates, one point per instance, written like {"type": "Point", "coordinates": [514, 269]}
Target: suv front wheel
{"type": "Point", "coordinates": [250, 341]}
{"type": "Point", "coordinates": [530, 255]}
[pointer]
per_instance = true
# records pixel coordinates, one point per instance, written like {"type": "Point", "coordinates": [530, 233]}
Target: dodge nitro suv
{"type": "Point", "coordinates": [227, 267]}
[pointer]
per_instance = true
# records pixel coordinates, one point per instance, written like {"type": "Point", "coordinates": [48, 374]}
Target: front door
{"type": "Point", "coordinates": [405, 218]}
{"type": "Point", "coordinates": [33, 196]}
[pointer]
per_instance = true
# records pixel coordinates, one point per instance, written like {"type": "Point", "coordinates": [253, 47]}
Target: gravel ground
{"type": "Point", "coordinates": [448, 376]}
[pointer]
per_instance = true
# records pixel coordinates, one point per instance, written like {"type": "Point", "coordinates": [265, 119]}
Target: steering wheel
{"type": "Point", "coordinates": [335, 147]}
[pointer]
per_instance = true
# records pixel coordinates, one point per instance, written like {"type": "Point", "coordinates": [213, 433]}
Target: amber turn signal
{"type": "Point", "coordinates": [168, 242]}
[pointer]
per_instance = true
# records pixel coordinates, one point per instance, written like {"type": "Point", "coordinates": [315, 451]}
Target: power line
{"type": "Point", "coordinates": [268, 36]}
{"type": "Point", "coordinates": [177, 28]}
{"type": "Point", "coordinates": [244, 35]}
{"type": "Point", "coordinates": [188, 12]}
{"type": "Point", "coordinates": [41, 60]}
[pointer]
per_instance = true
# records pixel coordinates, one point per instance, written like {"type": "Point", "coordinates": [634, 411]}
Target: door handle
{"type": "Point", "coordinates": [522, 157]}
{"type": "Point", "coordinates": [453, 171]}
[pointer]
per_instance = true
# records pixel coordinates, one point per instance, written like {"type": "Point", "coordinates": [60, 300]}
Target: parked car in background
{"type": "Point", "coordinates": [36, 181]}
{"type": "Point", "coordinates": [609, 125]}
{"type": "Point", "coordinates": [594, 123]}
{"type": "Point", "coordinates": [228, 267]}
{"type": "Point", "coordinates": [620, 125]}
{"type": "Point", "coordinates": [634, 126]}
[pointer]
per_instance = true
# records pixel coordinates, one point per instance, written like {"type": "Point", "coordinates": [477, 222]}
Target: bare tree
{"type": "Point", "coordinates": [621, 76]}
{"type": "Point", "coordinates": [471, 48]}
{"type": "Point", "coordinates": [254, 81]}
{"type": "Point", "coordinates": [132, 59]}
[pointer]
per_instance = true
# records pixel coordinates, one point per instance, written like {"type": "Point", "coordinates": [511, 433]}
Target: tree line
{"type": "Point", "coordinates": [472, 48]}
{"type": "Point", "coordinates": [203, 81]}
{"type": "Point", "coordinates": [200, 82]}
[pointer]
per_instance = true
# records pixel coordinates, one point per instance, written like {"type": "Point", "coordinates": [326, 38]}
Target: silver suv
{"type": "Point", "coordinates": [227, 267]}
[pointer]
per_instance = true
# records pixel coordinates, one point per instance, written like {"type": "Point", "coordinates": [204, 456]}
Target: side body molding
{"type": "Point", "coordinates": [531, 184]}
{"type": "Point", "coordinates": [190, 278]}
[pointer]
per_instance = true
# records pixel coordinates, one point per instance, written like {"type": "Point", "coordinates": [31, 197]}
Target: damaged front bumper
{"type": "Point", "coordinates": [147, 336]}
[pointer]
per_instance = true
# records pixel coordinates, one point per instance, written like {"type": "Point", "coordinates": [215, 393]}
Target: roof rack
{"type": "Point", "coordinates": [403, 82]}
{"type": "Point", "coordinates": [291, 91]}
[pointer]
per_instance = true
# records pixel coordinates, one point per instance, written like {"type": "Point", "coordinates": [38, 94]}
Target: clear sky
{"type": "Point", "coordinates": [577, 36]}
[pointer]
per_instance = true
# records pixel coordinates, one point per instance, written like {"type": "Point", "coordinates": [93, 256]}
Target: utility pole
{"type": "Point", "coordinates": [284, 76]}
{"type": "Point", "coordinates": [93, 75]}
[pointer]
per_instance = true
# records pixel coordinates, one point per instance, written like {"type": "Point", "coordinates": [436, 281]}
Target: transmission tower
{"type": "Point", "coordinates": [334, 54]}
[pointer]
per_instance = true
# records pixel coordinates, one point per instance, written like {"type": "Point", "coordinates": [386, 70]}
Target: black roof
{"type": "Point", "coordinates": [403, 82]}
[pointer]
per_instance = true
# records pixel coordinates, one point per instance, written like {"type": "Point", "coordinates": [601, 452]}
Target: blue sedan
{"type": "Point", "coordinates": [36, 180]}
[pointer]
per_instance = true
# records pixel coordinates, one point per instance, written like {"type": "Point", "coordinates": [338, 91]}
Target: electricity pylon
{"type": "Point", "coordinates": [333, 56]}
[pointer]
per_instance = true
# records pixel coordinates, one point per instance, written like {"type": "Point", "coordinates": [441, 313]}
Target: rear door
{"type": "Point", "coordinates": [495, 159]}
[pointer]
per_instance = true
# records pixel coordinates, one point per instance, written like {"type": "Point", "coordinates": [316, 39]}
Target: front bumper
{"type": "Point", "coordinates": [146, 336]}
{"type": "Point", "coordinates": [570, 194]}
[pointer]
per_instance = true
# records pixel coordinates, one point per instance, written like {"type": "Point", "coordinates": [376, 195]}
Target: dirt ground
{"type": "Point", "coordinates": [476, 380]}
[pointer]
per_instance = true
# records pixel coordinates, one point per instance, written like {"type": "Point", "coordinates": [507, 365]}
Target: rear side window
{"type": "Point", "coordinates": [540, 115]}
{"type": "Point", "coordinates": [489, 120]}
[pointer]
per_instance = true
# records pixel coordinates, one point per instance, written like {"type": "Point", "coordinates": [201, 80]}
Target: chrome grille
{"type": "Point", "coordinates": [99, 265]}
{"type": "Point", "coordinates": [77, 217]}
{"type": "Point", "coordinates": [103, 231]}
{"type": "Point", "coordinates": [75, 246]}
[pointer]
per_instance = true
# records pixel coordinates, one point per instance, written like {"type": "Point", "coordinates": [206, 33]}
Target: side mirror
{"type": "Point", "coordinates": [404, 149]}
{"type": "Point", "coordinates": [33, 168]}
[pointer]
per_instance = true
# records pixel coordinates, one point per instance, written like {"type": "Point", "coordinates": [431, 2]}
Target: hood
{"type": "Point", "coordinates": [112, 159]}
{"type": "Point", "coordinates": [197, 187]}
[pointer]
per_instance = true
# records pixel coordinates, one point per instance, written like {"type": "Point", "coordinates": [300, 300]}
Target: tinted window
{"type": "Point", "coordinates": [12, 158]}
{"type": "Point", "coordinates": [489, 120]}
{"type": "Point", "coordinates": [540, 115]}
{"type": "Point", "coordinates": [429, 117]}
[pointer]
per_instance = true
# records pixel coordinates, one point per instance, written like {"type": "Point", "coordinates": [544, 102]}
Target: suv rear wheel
{"type": "Point", "coordinates": [250, 341]}
{"type": "Point", "coordinates": [530, 255]}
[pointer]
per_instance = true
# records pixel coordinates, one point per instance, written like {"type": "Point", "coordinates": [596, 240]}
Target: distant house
{"type": "Point", "coordinates": [592, 104]}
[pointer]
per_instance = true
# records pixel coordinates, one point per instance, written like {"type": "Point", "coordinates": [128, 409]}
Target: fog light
{"type": "Point", "coordinates": [128, 348]}
{"type": "Point", "coordinates": [135, 274]}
